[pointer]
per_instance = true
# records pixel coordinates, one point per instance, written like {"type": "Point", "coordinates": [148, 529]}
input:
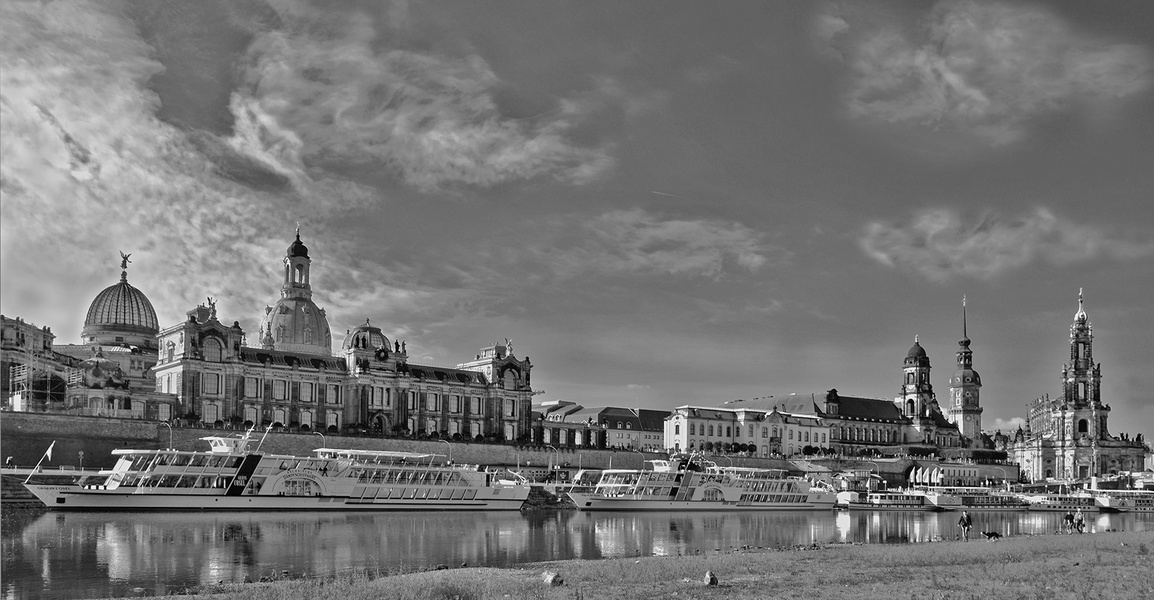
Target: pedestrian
{"type": "Point", "coordinates": [1080, 521]}
{"type": "Point", "coordinates": [1069, 518]}
{"type": "Point", "coordinates": [10, 462]}
{"type": "Point", "coordinates": [965, 523]}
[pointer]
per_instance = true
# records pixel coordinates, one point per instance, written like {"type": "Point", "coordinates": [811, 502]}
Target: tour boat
{"type": "Point", "coordinates": [1060, 502]}
{"type": "Point", "coordinates": [681, 484]}
{"type": "Point", "coordinates": [982, 498]}
{"type": "Point", "coordinates": [229, 476]}
{"type": "Point", "coordinates": [908, 500]}
{"type": "Point", "coordinates": [1124, 500]}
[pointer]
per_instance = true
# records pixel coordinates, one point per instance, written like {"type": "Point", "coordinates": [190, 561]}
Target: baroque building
{"type": "Point", "coordinates": [918, 403]}
{"type": "Point", "coordinates": [292, 378]}
{"type": "Point", "coordinates": [1067, 437]}
{"type": "Point", "coordinates": [965, 410]}
{"type": "Point", "coordinates": [108, 374]}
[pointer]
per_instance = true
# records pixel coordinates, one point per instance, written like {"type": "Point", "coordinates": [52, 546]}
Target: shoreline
{"type": "Point", "coordinates": [1114, 565]}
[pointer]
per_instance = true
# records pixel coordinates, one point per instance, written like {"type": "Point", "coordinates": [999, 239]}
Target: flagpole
{"type": "Point", "coordinates": [47, 454]}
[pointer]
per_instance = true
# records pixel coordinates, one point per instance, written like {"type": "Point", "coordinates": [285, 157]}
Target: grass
{"type": "Point", "coordinates": [1102, 566]}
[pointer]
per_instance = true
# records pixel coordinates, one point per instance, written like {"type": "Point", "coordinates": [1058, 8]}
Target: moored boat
{"type": "Point", "coordinates": [982, 498]}
{"type": "Point", "coordinates": [1124, 500]}
{"type": "Point", "coordinates": [230, 476]}
{"type": "Point", "coordinates": [1060, 502]}
{"type": "Point", "coordinates": [907, 500]}
{"type": "Point", "coordinates": [683, 484]}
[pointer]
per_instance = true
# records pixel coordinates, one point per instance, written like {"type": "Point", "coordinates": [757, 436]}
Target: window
{"type": "Point", "coordinates": [212, 350]}
{"type": "Point", "coordinates": [692, 429]}
{"type": "Point", "coordinates": [751, 431]}
{"type": "Point", "coordinates": [334, 395]}
{"type": "Point", "coordinates": [711, 430]}
{"type": "Point", "coordinates": [251, 387]}
{"type": "Point", "coordinates": [211, 413]}
{"type": "Point", "coordinates": [306, 392]}
{"type": "Point", "coordinates": [431, 426]}
{"type": "Point", "coordinates": [306, 419]}
{"type": "Point", "coordinates": [475, 406]}
{"type": "Point", "coordinates": [510, 408]}
{"type": "Point", "coordinates": [728, 431]}
{"type": "Point", "coordinates": [455, 405]}
{"type": "Point", "coordinates": [791, 434]}
{"type": "Point", "coordinates": [619, 425]}
{"type": "Point", "coordinates": [171, 348]}
{"type": "Point", "coordinates": [250, 414]}
{"type": "Point", "coordinates": [163, 412]}
{"type": "Point", "coordinates": [676, 429]}
{"type": "Point", "coordinates": [211, 384]}
{"type": "Point", "coordinates": [629, 425]}
{"type": "Point", "coordinates": [431, 402]}
{"type": "Point", "coordinates": [279, 389]}
{"type": "Point", "coordinates": [807, 436]}
{"type": "Point", "coordinates": [333, 420]}
{"type": "Point", "coordinates": [764, 432]}
{"type": "Point", "coordinates": [412, 401]}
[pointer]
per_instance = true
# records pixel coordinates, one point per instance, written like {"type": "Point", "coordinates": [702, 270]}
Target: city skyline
{"type": "Point", "coordinates": [660, 203]}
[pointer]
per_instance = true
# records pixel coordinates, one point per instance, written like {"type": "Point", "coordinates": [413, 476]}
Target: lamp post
{"type": "Point", "coordinates": [556, 451]}
{"type": "Point", "coordinates": [878, 468]}
{"type": "Point", "coordinates": [169, 426]}
{"type": "Point", "coordinates": [450, 450]}
{"type": "Point", "coordinates": [1005, 478]}
{"type": "Point", "coordinates": [323, 445]}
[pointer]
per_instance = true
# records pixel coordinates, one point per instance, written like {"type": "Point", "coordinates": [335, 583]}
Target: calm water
{"type": "Point", "coordinates": [101, 555]}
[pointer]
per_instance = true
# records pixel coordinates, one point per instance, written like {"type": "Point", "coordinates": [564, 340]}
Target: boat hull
{"type": "Point", "coordinates": [68, 497]}
{"type": "Point", "coordinates": [628, 504]}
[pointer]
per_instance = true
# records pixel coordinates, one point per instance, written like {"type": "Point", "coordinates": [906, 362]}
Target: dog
{"type": "Point", "coordinates": [992, 536]}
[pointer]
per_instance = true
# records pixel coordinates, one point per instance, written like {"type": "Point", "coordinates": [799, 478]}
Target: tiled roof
{"type": "Point", "coordinates": [869, 408]}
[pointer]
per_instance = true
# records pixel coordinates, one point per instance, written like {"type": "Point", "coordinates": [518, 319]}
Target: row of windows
{"type": "Point", "coordinates": [765, 432]}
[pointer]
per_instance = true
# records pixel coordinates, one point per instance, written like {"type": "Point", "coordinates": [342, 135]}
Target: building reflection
{"type": "Point", "coordinates": [101, 555]}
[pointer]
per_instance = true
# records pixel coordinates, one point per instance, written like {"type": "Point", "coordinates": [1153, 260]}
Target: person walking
{"type": "Point", "coordinates": [1069, 518]}
{"type": "Point", "coordinates": [965, 523]}
{"type": "Point", "coordinates": [1080, 521]}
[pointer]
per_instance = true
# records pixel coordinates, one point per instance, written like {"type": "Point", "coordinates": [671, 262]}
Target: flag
{"type": "Point", "coordinates": [49, 452]}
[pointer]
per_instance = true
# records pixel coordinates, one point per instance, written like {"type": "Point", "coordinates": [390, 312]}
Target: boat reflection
{"type": "Point", "coordinates": [101, 555]}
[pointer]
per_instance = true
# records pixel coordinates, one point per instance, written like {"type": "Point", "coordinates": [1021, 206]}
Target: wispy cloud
{"type": "Point", "coordinates": [322, 88]}
{"type": "Point", "coordinates": [984, 68]}
{"type": "Point", "coordinates": [939, 245]}
{"type": "Point", "coordinates": [639, 242]}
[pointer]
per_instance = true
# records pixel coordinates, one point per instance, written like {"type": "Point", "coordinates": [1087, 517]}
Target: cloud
{"type": "Point", "coordinates": [985, 69]}
{"type": "Point", "coordinates": [638, 242]}
{"type": "Point", "coordinates": [939, 245]}
{"type": "Point", "coordinates": [87, 169]}
{"type": "Point", "coordinates": [322, 89]}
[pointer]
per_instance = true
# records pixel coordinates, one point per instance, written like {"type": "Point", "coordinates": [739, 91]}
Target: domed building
{"type": "Point", "coordinates": [121, 315]}
{"type": "Point", "coordinates": [290, 377]}
{"type": "Point", "coordinates": [111, 369]}
{"type": "Point", "coordinates": [295, 323]}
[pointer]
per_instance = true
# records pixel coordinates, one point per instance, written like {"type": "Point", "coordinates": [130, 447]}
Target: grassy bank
{"type": "Point", "coordinates": [1101, 566]}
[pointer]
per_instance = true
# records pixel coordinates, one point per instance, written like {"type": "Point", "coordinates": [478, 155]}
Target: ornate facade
{"type": "Point", "coordinates": [918, 403]}
{"type": "Point", "coordinates": [1067, 437]}
{"type": "Point", "coordinates": [293, 379]}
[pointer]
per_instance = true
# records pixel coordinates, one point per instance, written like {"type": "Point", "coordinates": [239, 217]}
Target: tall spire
{"type": "Point", "coordinates": [964, 334]}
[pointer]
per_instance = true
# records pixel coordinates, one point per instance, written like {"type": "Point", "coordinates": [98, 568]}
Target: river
{"type": "Point", "coordinates": [50, 555]}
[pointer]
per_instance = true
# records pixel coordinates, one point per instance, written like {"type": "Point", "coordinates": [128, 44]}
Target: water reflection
{"type": "Point", "coordinates": [100, 555]}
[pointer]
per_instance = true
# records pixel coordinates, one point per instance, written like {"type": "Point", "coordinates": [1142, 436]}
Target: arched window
{"type": "Point", "coordinates": [1083, 426]}
{"type": "Point", "coordinates": [629, 425]}
{"type": "Point", "coordinates": [213, 352]}
{"type": "Point", "coordinates": [299, 274]}
{"type": "Point", "coordinates": [619, 425]}
{"type": "Point", "coordinates": [171, 351]}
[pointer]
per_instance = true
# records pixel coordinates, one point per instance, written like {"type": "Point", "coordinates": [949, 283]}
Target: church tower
{"type": "Point", "coordinates": [295, 323]}
{"type": "Point", "coordinates": [1081, 379]}
{"type": "Point", "coordinates": [917, 393]}
{"type": "Point", "coordinates": [965, 386]}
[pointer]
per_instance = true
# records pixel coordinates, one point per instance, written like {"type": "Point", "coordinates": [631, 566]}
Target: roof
{"type": "Point", "coordinates": [869, 408]}
{"type": "Point", "coordinates": [288, 359]}
{"type": "Point", "coordinates": [120, 305]}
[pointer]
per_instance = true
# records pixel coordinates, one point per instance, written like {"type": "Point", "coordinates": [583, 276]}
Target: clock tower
{"type": "Point", "coordinates": [965, 386]}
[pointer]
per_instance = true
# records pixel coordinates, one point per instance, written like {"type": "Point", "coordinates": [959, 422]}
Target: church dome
{"type": "Point", "coordinates": [365, 337]}
{"type": "Point", "coordinates": [296, 324]}
{"type": "Point", "coordinates": [121, 314]}
{"type": "Point", "coordinates": [916, 351]}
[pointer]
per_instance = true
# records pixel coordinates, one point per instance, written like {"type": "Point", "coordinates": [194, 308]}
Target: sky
{"type": "Point", "coordinates": [660, 202]}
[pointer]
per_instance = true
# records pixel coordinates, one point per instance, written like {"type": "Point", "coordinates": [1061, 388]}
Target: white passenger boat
{"type": "Point", "coordinates": [982, 498]}
{"type": "Point", "coordinates": [1060, 502]}
{"type": "Point", "coordinates": [682, 484]}
{"type": "Point", "coordinates": [907, 500]}
{"type": "Point", "coordinates": [231, 477]}
{"type": "Point", "coordinates": [1124, 500]}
